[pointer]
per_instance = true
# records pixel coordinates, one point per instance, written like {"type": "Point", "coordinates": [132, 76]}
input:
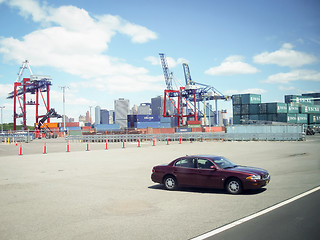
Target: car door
{"type": "Point", "coordinates": [186, 172]}
{"type": "Point", "coordinates": [208, 176]}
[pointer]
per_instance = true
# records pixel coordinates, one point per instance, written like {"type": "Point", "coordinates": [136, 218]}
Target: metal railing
{"type": "Point", "coordinates": [195, 136]}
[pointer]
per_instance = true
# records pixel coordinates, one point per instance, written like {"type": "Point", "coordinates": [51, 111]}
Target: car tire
{"type": "Point", "coordinates": [234, 186]}
{"type": "Point", "coordinates": [170, 182]}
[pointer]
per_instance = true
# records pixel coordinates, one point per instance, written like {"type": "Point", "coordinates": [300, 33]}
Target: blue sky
{"type": "Point", "coordinates": [104, 50]}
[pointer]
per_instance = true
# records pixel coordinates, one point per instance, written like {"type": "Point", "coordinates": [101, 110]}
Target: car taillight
{"type": "Point", "coordinates": [153, 170]}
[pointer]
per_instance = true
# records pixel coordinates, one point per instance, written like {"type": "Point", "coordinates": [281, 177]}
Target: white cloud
{"type": "Point", "coordinates": [5, 89]}
{"type": "Point", "coordinates": [296, 75]}
{"type": "Point", "coordinates": [291, 88]}
{"type": "Point", "coordinates": [250, 90]}
{"type": "Point", "coordinates": [76, 43]}
{"type": "Point", "coordinates": [286, 56]}
{"type": "Point", "coordinates": [232, 65]}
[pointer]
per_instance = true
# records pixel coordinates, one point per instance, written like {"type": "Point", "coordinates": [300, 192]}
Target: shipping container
{"type": "Point", "coordinates": [313, 118]}
{"type": "Point", "coordinates": [50, 125]}
{"type": "Point", "coordinates": [310, 109]}
{"type": "Point", "coordinates": [263, 108]}
{"type": "Point", "coordinates": [182, 130]}
{"type": "Point", "coordinates": [288, 118]}
{"type": "Point", "coordinates": [106, 127]}
{"type": "Point", "coordinates": [306, 100]}
{"type": "Point", "coordinates": [147, 125]}
{"type": "Point", "coordinates": [236, 119]}
{"type": "Point", "coordinates": [237, 109]}
{"type": "Point", "coordinates": [236, 99]}
{"type": "Point", "coordinates": [148, 118]}
{"type": "Point", "coordinates": [254, 117]}
{"type": "Point", "coordinates": [277, 107]}
{"type": "Point", "coordinates": [302, 118]}
{"type": "Point", "coordinates": [250, 98]}
{"type": "Point", "coordinates": [263, 117]}
{"type": "Point", "coordinates": [245, 109]}
{"type": "Point", "coordinates": [165, 119]}
{"type": "Point", "coordinates": [254, 109]}
{"type": "Point", "coordinates": [75, 133]}
{"type": "Point", "coordinates": [313, 95]}
{"type": "Point", "coordinates": [70, 124]}
{"type": "Point", "coordinates": [198, 129]}
{"type": "Point", "coordinates": [293, 108]}
{"type": "Point", "coordinates": [165, 124]}
{"type": "Point", "coordinates": [272, 117]}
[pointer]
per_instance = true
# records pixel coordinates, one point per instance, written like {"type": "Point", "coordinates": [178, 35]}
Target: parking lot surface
{"type": "Point", "coordinates": [108, 194]}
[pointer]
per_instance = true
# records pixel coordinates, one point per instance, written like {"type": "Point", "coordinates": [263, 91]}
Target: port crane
{"type": "Point", "coordinates": [187, 96]}
{"type": "Point", "coordinates": [36, 84]}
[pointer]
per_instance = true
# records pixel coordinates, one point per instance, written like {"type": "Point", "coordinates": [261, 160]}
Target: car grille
{"type": "Point", "coordinates": [265, 176]}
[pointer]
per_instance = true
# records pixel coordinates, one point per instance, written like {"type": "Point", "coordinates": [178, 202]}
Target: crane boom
{"type": "Point", "coordinates": [187, 74]}
{"type": "Point", "coordinates": [167, 74]}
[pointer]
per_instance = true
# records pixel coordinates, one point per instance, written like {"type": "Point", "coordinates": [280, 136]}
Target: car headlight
{"type": "Point", "coordinates": [254, 177]}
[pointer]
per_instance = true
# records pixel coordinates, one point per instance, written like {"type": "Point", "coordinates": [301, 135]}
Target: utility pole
{"type": "Point", "coordinates": [2, 107]}
{"type": "Point", "coordinates": [64, 110]}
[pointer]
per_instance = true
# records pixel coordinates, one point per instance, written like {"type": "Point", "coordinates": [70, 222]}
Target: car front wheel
{"type": "Point", "coordinates": [234, 186]}
{"type": "Point", "coordinates": [170, 183]}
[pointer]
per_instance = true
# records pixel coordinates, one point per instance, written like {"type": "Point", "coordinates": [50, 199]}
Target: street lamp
{"type": "Point", "coordinates": [64, 110]}
{"type": "Point", "coordinates": [2, 107]}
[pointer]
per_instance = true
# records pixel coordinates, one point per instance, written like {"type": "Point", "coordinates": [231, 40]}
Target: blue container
{"type": "Point", "coordinates": [182, 130]}
{"type": "Point", "coordinates": [148, 118]}
{"type": "Point", "coordinates": [165, 125]}
{"type": "Point", "coordinates": [147, 124]}
{"type": "Point", "coordinates": [106, 127]}
{"type": "Point", "coordinates": [165, 120]}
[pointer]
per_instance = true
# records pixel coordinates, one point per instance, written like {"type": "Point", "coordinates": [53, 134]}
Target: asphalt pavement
{"type": "Point", "coordinates": [108, 194]}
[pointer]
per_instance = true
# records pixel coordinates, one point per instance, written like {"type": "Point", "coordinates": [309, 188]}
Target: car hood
{"type": "Point", "coordinates": [250, 170]}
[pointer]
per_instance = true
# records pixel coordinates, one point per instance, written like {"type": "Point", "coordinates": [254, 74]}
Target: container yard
{"type": "Point", "coordinates": [296, 109]}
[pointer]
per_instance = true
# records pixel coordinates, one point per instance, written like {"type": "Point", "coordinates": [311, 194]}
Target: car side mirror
{"type": "Point", "coordinates": [213, 167]}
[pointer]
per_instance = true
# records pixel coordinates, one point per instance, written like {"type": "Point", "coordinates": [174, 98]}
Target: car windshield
{"type": "Point", "coordinates": [224, 163]}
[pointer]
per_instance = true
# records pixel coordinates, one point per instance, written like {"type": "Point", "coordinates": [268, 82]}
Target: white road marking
{"type": "Point", "coordinates": [245, 219]}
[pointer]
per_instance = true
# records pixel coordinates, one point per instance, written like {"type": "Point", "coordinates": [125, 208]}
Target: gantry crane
{"type": "Point", "coordinates": [188, 96]}
{"type": "Point", "coordinates": [36, 84]}
{"type": "Point", "coordinates": [204, 92]}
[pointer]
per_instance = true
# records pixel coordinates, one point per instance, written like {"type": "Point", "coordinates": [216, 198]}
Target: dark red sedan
{"type": "Point", "coordinates": [209, 171]}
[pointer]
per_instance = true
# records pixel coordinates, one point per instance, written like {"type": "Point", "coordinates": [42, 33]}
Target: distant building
{"type": "Point", "coordinates": [144, 109]}
{"type": "Point", "coordinates": [88, 118]}
{"type": "Point", "coordinates": [82, 118]}
{"type": "Point", "coordinates": [97, 115]}
{"type": "Point", "coordinates": [104, 116]}
{"type": "Point", "coordinates": [111, 117]}
{"type": "Point", "coordinates": [121, 108]}
{"type": "Point", "coordinates": [157, 106]}
{"type": "Point", "coordinates": [134, 110]}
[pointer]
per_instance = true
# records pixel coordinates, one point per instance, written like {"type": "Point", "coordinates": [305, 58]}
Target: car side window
{"type": "Point", "coordinates": [204, 163]}
{"type": "Point", "coordinates": [186, 162]}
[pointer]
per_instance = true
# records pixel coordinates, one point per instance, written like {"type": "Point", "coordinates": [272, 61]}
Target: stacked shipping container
{"type": "Point", "coordinates": [296, 109]}
{"type": "Point", "coordinates": [147, 121]}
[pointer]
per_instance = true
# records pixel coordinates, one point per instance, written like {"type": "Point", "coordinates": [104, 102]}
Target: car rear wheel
{"type": "Point", "coordinates": [234, 186]}
{"type": "Point", "coordinates": [170, 183]}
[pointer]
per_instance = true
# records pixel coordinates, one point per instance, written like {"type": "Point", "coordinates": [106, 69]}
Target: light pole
{"type": "Point", "coordinates": [64, 109]}
{"type": "Point", "coordinates": [2, 107]}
